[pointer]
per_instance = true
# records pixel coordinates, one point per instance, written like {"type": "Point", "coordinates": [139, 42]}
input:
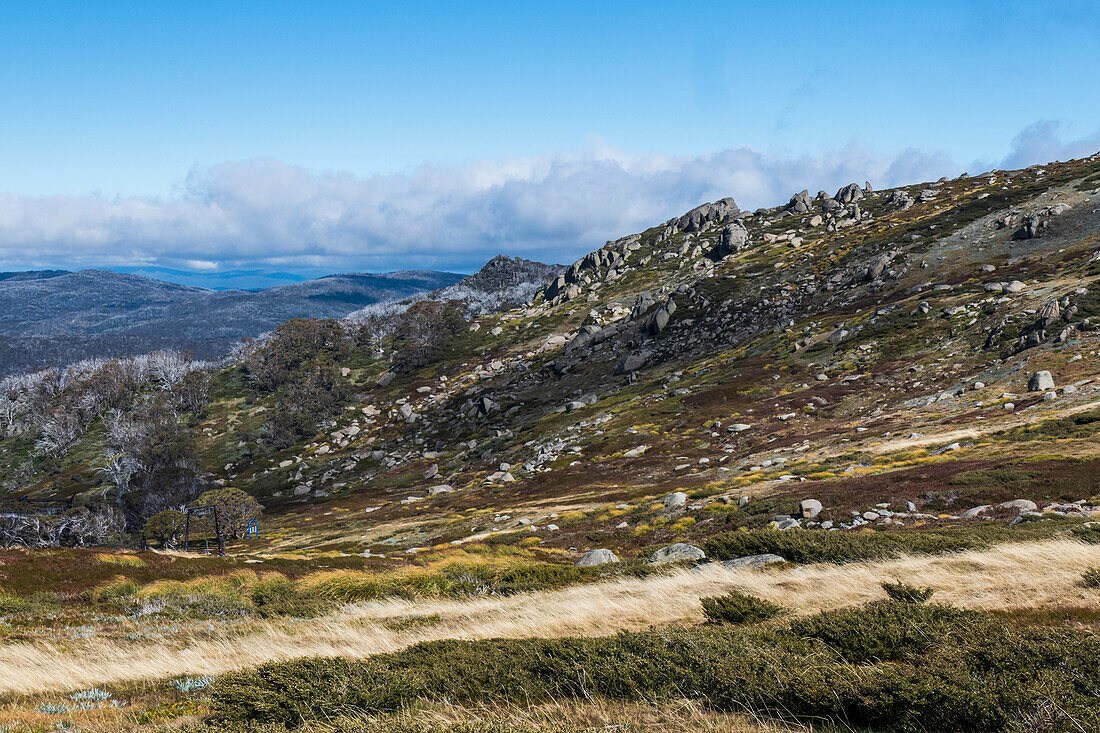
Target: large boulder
{"type": "Point", "coordinates": [849, 194]}
{"type": "Point", "coordinates": [900, 198]}
{"type": "Point", "coordinates": [875, 270]}
{"type": "Point", "coordinates": [733, 238]}
{"type": "Point", "coordinates": [1033, 227]}
{"type": "Point", "coordinates": [1049, 313]}
{"type": "Point", "coordinates": [678, 552]}
{"type": "Point", "coordinates": [662, 316]}
{"type": "Point", "coordinates": [660, 321]}
{"type": "Point", "coordinates": [632, 362]}
{"type": "Point", "coordinates": [718, 211]}
{"type": "Point", "coordinates": [1040, 381]}
{"type": "Point", "coordinates": [593, 558]}
{"type": "Point", "coordinates": [810, 508]}
{"type": "Point", "coordinates": [800, 203]}
{"type": "Point", "coordinates": [1020, 505]}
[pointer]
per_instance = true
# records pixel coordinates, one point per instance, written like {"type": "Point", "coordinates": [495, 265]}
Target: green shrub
{"type": "Point", "coordinates": [1089, 533]}
{"type": "Point", "coordinates": [887, 631]}
{"type": "Point", "coordinates": [853, 546]}
{"type": "Point", "coordinates": [1081, 425]}
{"type": "Point", "coordinates": [165, 527]}
{"type": "Point", "coordinates": [888, 666]}
{"type": "Point", "coordinates": [235, 508]}
{"type": "Point", "coordinates": [905, 593]}
{"type": "Point", "coordinates": [1091, 578]}
{"type": "Point", "coordinates": [739, 608]}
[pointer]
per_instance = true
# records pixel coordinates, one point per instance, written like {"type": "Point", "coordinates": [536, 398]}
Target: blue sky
{"type": "Point", "coordinates": [316, 137]}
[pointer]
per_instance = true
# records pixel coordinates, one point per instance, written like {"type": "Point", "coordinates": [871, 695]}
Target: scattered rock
{"type": "Point", "coordinates": [633, 362]}
{"type": "Point", "coordinates": [1040, 381]}
{"type": "Point", "coordinates": [810, 508]}
{"type": "Point", "coordinates": [593, 558]}
{"type": "Point", "coordinates": [678, 552]}
{"type": "Point", "coordinates": [1022, 505]}
{"type": "Point", "coordinates": [675, 500]}
{"type": "Point", "coordinates": [752, 561]}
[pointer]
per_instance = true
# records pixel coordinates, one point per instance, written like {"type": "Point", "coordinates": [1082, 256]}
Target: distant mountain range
{"type": "Point", "coordinates": [224, 280]}
{"type": "Point", "coordinates": [56, 317]}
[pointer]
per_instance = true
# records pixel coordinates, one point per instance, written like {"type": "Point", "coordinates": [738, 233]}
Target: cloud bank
{"type": "Point", "coordinates": [263, 213]}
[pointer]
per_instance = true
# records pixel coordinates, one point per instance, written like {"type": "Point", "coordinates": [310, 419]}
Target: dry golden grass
{"type": "Point", "coordinates": [1005, 422]}
{"type": "Point", "coordinates": [677, 716]}
{"type": "Point", "coordinates": [1029, 579]}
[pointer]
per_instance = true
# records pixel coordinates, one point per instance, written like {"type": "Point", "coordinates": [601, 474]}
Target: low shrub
{"type": "Point", "coordinates": [1091, 578]}
{"type": "Point", "coordinates": [888, 631]}
{"type": "Point", "coordinates": [1088, 532]}
{"type": "Point", "coordinates": [739, 608]}
{"type": "Point", "coordinates": [888, 666]}
{"type": "Point", "coordinates": [905, 593]}
{"type": "Point", "coordinates": [853, 546]}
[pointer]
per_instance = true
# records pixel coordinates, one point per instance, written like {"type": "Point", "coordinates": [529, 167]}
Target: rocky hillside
{"type": "Point", "coordinates": [503, 282]}
{"type": "Point", "coordinates": [918, 358]}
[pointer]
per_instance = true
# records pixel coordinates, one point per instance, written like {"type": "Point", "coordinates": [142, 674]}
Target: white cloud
{"type": "Point", "coordinates": [265, 213]}
{"type": "Point", "coordinates": [202, 265]}
{"type": "Point", "coordinates": [1041, 143]}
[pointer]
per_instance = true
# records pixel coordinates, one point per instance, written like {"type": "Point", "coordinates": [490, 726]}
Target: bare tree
{"type": "Point", "coordinates": [119, 468]}
{"type": "Point", "coordinates": [168, 368]}
{"type": "Point", "coordinates": [59, 433]}
{"type": "Point", "coordinates": [193, 392]}
{"type": "Point", "coordinates": [77, 527]}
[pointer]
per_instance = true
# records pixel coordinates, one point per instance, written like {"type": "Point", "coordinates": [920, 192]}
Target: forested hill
{"type": "Point", "coordinates": [57, 317]}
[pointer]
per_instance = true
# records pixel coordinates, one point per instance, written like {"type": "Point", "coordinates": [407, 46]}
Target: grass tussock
{"type": "Point", "coordinates": [245, 593]}
{"type": "Point", "coordinates": [132, 561]}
